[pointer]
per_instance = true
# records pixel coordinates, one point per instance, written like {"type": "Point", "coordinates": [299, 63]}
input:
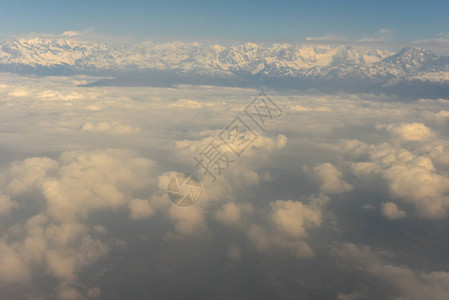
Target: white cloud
{"type": "Point", "coordinates": [299, 108]}
{"type": "Point", "coordinates": [411, 174]}
{"type": "Point", "coordinates": [383, 35]}
{"type": "Point", "coordinates": [413, 285]}
{"type": "Point", "coordinates": [189, 104]}
{"type": "Point", "coordinates": [110, 127]}
{"type": "Point", "coordinates": [409, 131]}
{"type": "Point", "coordinates": [391, 211]}
{"type": "Point", "coordinates": [289, 221]}
{"type": "Point", "coordinates": [331, 179]}
{"type": "Point", "coordinates": [29, 173]}
{"type": "Point", "coordinates": [140, 209]}
{"type": "Point", "coordinates": [293, 218]}
{"type": "Point", "coordinates": [330, 37]}
{"type": "Point", "coordinates": [70, 33]}
{"type": "Point", "coordinates": [12, 267]}
{"type": "Point", "coordinates": [87, 181]}
{"type": "Point", "coordinates": [188, 221]}
{"type": "Point", "coordinates": [6, 205]}
{"type": "Point", "coordinates": [54, 236]}
{"type": "Point", "coordinates": [232, 213]}
{"type": "Point", "coordinates": [269, 243]}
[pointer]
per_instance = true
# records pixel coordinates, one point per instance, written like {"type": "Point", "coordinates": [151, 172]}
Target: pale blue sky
{"type": "Point", "coordinates": [231, 19]}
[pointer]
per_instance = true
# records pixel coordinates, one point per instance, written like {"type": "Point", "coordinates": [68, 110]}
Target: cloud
{"type": "Point", "coordinates": [269, 243]}
{"type": "Point", "coordinates": [63, 249]}
{"type": "Point", "coordinates": [29, 173]}
{"type": "Point", "coordinates": [289, 221]}
{"type": "Point", "coordinates": [413, 285]}
{"type": "Point", "coordinates": [330, 37]}
{"type": "Point", "coordinates": [87, 181]}
{"type": "Point", "coordinates": [440, 43]}
{"type": "Point", "coordinates": [409, 131]}
{"type": "Point", "coordinates": [189, 104]}
{"type": "Point", "coordinates": [140, 209]}
{"type": "Point", "coordinates": [12, 267]}
{"type": "Point", "coordinates": [55, 238]}
{"type": "Point", "coordinates": [299, 108]}
{"type": "Point", "coordinates": [67, 193]}
{"type": "Point", "coordinates": [232, 214]}
{"type": "Point", "coordinates": [6, 205]}
{"type": "Point", "coordinates": [293, 218]}
{"type": "Point", "coordinates": [410, 177]}
{"type": "Point", "coordinates": [331, 179]}
{"type": "Point", "coordinates": [188, 221]}
{"type": "Point", "coordinates": [391, 211]}
{"type": "Point", "coordinates": [383, 35]}
{"type": "Point", "coordinates": [110, 127]}
{"type": "Point", "coordinates": [71, 33]}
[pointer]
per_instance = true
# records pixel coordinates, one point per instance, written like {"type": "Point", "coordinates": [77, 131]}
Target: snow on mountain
{"type": "Point", "coordinates": [179, 56]}
{"type": "Point", "coordinates": [288, 65]}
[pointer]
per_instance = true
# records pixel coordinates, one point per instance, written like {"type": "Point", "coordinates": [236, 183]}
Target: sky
{"type": "Point", "coordinates": [248, 20]}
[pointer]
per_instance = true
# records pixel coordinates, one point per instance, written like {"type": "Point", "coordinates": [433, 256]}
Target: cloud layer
{"type": "Point", "coordinates": [337, 180]}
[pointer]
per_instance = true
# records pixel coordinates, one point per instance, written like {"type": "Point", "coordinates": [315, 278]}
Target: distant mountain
{"type": "Point", "coordinates": [411, 72]}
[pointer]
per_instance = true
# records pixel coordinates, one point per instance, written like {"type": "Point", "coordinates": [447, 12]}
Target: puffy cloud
{"type": "Point", "coordinates": [13, 268]}
{"type": "Point", "coordinates": [110, 127]}
{"type": "Point", "coordinates": [29, 173]}
{"type": "Point", "coordinates": [261, 143]}
{"type": "Point", "coordinates": [293, 218]}
{"type": "Point", "coordinates": [331, 179]}
{"type": "Point", "coordinates": [391, 211]}
{"type": "Point", "coordinates": [140, 209]}
{"type": "Point", "coordinates": [231, 213]}
{"type": "Point", "coordinates": [383, 35]}
{"type": "Point", "coordinates": [410, 177]}
{"type": "Point", "coordinates": [413, 285]}
{"type": "Point", "coordinates": [87, 181]}
{"type": "Point", "coordinates": [420, 186]}
{"type": "Point", "coordinates": [70, 33]}
{"type": "Point", "coordinates": [67, 292]}
{"type": "Point", "coordinates": [368, 207]}
{"type": "Point", "coordinates": [268, 242]}
{"type": "Point", "coordinates": [188, 221]}
{"type": "Point", "coordinates": [63, 249]}
{"type": "Point", "coordinates": [188, 104]}
{"type": "Point", "coordinates": [6, 204]}
{"type": "Point", "coordinates": [289, 221]}
{"type": "Point", "coordinates": [330, 37]}
{"type": "Point", "coordinates": [55, 239]}
{"type": "Point", "coordinates": [298, 108]}
{"type": "Point", "coordinates": [52, 232]}
{"type": "Point", "coordinates": [441, 117]}
{"type": "Point", "coordinates": [409, 131]}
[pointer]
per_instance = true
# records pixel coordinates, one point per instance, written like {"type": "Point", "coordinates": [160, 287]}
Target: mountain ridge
{"type": "Point", "coordinates": [285, 66]}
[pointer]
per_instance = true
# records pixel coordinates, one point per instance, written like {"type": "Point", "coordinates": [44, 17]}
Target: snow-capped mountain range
{"type": "Point", "coordinates": [292, 66]}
